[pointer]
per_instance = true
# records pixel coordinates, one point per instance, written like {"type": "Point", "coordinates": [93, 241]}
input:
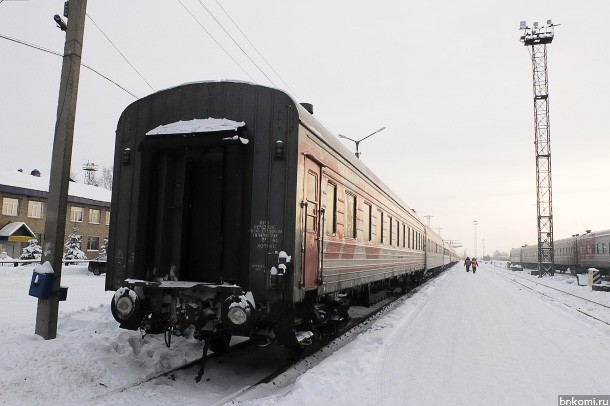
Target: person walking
{"type": "Point", "coordinates": [467, 264]}
{"type": "Point", "coordinates": [474, 265]}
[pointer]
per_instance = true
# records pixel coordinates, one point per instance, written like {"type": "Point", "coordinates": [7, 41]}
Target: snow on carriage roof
{"type": "Point", "coordinates": [198, 125]}
{"type": "Point", "coordinates": [26, 181]}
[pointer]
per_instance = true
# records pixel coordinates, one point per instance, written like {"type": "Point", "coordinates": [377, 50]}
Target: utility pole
{"type": "Point", "coordinates": [537, 38]}
{"type": "Point", "coordinates": [57, 206]}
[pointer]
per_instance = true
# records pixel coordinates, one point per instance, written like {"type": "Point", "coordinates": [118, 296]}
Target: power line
{"type": "Point", "coordinates": [254, 47]}
{"type": "Point", "coordinates": [235, 42]}
{"type": "Point", "coordinates": [215, 40]}
{"type": "Point", "coordinates": [119, 51]}
{"type": "Point", "coordinates": [38, 47]}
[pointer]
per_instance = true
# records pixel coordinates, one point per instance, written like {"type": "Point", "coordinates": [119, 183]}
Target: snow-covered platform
{"type": "Point", "coordinates": [461, 339]}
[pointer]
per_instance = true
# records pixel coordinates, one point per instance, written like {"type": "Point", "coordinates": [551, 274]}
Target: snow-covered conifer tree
{"type": "Point", "coordinates": [73, 247]}
{"type": "Point", "coordinates": [32, 251]}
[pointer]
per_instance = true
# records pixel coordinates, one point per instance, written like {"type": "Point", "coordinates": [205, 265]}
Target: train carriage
{"type": "Point", "coordinates": [577, 253]}
{"type": "Point", "coordinates": [235, 211]}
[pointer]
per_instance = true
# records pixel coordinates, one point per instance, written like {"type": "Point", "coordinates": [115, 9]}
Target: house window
{"type": "Point", "coordinates": [107, 218]}
{"type": "Point", "coordinates": [368, 219]}
{"type": "Point", "coordinates": [77, 214]}
{"type": "Point", "coordinates": [93, 244]}
{"type": "Point", "coordinates": [331, 208]}
{"type": "Point", "coordinates": [350, 215]}
{"type": "Point", "coordinates": [10, 207]}
{"type": "Point", "coordinates": [391, 230]}
{"type": "Point", "coordinates": [35, 210]}
{"type": "Point", "coordinates": [94, 216]}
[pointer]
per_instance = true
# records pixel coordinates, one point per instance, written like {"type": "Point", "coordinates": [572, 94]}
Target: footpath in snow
{"type": "Point", "coordinates": [465, 339]}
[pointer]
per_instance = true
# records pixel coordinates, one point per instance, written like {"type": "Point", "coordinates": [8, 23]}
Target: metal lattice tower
{"type": "Point", "coordinates": [537, 38]}
{"type": "Point", "coordinates": [475, 223]}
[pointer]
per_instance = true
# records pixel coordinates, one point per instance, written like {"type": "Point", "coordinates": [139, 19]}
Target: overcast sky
{"type": "Point", "coordinates": [450, 81]}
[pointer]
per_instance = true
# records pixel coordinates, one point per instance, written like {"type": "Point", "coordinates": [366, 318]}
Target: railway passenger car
{"type": "Point", "coordinates": [577, 253]}
{"type": "Point", "coordinates": [236, 212]}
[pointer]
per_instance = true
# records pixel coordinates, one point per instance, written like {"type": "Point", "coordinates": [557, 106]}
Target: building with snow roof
{"type": "Point", "coordinates": [24, 201]}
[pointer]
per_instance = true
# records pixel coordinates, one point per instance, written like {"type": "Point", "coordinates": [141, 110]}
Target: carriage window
{"type": "Point", "coordinates": [380, 227]}
{"type": "Point", "coordinates": [366, 226]}
{"type": "Point", "coordinates": [350, 215]}
{"type": "Point", "coordinates": [397, 233]}
{"type": "Point", "coordinates": [331, 208]}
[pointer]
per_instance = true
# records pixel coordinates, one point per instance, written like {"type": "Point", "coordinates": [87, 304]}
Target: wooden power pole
{"type": "Point", "coordinates": [57, 205]}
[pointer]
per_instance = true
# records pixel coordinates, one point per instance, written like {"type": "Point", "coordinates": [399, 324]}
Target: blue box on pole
{"type": "Point", "coordinates": [42, 285]}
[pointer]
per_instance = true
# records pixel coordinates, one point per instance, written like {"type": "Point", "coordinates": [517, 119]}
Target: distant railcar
{"type": "Point", "coordinates": [577, 253]}
{"type": "Point", "coordinates": [236, 212]}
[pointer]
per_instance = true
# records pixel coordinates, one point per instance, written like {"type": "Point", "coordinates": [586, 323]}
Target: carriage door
{"type": "Point", "coordinates": [312, 223]}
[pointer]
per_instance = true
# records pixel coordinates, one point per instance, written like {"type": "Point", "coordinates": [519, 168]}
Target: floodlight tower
{"type": "Point", "coordinates": [538, 37]}
{"type": "Point", "coordinates": [475, 224]}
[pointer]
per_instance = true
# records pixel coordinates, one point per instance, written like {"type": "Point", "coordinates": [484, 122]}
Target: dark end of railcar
{"type": "Point", "coordinates": [203, 208]}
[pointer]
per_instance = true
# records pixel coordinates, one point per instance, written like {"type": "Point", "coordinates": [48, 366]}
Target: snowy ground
{"type": "Point", "coordinates": [461, 339]}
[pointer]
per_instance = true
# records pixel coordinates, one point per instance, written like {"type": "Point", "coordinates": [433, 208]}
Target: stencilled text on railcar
{"type": "Point", "coordinates": [267, 234]}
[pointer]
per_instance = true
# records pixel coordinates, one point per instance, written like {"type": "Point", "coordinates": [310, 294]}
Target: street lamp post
{"type": "Point", "coordinates": [357, 142]}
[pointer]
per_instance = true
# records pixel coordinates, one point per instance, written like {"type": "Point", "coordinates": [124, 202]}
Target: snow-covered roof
{"type": "Point", "coordinates": [25, 181]}
{"type": "Point", "coordinates": [200, 125]}
{"type": "Point", "coordinates": [20, 229]}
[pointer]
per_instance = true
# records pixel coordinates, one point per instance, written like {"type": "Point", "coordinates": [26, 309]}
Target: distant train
{"type": "Point", "coordinates": [576, 254]}
{"type": "Point", "coordinates": [235, 212]}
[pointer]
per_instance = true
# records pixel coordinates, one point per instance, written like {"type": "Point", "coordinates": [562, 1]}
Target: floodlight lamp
{"type": "Point", "coordinates": [61, 24]}
{"type": "Point", "coordinates": [522, 25]}
{"type": "Point", "coordinates": [549, 23]}
{"type": "Point", "coordinates": [535, 24]}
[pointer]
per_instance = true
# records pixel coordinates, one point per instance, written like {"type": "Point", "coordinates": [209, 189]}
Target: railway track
{"type": "Point", "coordinates": [168, 372]}
{"type": "Point", "coordinates": [574, 306]}
{"type": "Point", "coordinates": [287, 372]}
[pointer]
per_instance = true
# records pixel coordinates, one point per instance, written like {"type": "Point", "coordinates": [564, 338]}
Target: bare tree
{"type": "Point", "coordinates": [105, 178]}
